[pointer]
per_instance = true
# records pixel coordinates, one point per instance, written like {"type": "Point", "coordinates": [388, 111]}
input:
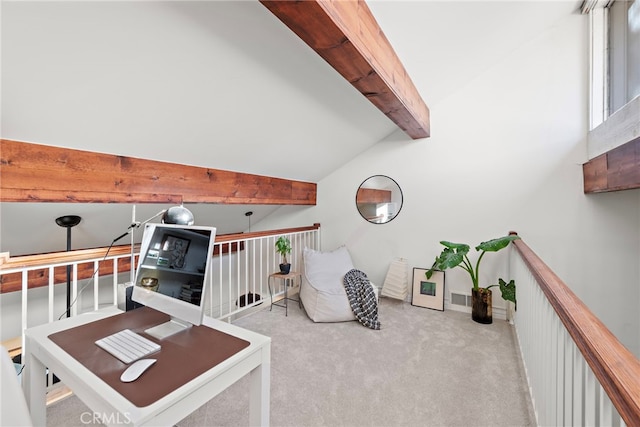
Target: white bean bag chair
{"type": "Point", "coordinates": [322, 291]}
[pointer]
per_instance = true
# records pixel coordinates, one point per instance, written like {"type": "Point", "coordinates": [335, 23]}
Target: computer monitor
{"type": "Point", "coordinates": [172, 273]}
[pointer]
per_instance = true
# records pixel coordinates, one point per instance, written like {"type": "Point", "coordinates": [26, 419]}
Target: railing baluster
{"type": "Point", "coordinates": [262, 272]}
{"type": "Point", "coordinates": [590, 399]}
{"type": "Point", "coordinates": [219, 314]}
{"type": "Point", "coordinates": [211, 290]}
{"type": "Point", "coordinates": [50, 288]}
{"type": "Point", "coordinates": [239, 282]}
{"type": "Point", "coordinates": [115, 282]}
{"type": "Point", "coordinates": [251, 247]}
{"type": "Point", "coordinates": [605, 408]}
{"type": "Point", "coordinates": [559, 366]}
{"type": "Point", "coordinates": [96, 285]}
{"type": "Point", "coordinates": [552, 357]}
{"type": "Point", "coordinates": [23, 317]}
{"type": "Point", "coordinates": [247, 279]}
{"type": "Point", "coordinates": [51, 313]}
{"type": "Point", "coordinates": [231, 282]}
{"type": "Point", "coordinates": [74, 290]}
{"type": "Point", "coordinates": [568, 380]}
{"type": "Point", "coordinates": [543, 358]}
{"type": "Point", "coordinates": [578, 388]}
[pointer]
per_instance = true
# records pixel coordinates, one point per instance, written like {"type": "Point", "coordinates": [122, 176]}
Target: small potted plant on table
{"type": "Point", "coordinates": [283, 247]}
{"type": "Point", "coordinates": [455, 255]}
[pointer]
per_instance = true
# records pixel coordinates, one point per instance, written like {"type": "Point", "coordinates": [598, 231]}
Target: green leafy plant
{"type": "Point", "coordinates": [283, 247]}
{"type": "Point", "coordinates": [456, 255]}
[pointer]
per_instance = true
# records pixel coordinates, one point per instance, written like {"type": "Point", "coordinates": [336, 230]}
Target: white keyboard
{"type": "Point", "coordinates": [128, 346]}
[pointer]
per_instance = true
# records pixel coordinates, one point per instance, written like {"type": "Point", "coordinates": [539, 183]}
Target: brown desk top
{"type": "Point", "coordinates": [183, 356]}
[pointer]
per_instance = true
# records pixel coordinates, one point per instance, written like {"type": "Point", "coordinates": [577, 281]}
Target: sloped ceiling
{"type": "Point", "coordinates": [444, 44]}
{"type": "Point", "coordinates": [217, 84]}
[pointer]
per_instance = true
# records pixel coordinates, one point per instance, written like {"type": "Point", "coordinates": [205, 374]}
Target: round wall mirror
{"type": "Point", "coordinates": [379, 199]}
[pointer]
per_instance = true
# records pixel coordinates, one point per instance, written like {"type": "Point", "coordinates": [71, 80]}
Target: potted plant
{"type": "Point", "coordinates": [283, 247]}
{"type": "Point", "coordinates": [455, 255]}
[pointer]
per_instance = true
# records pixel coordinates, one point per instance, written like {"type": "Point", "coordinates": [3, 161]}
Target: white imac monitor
{"type": "Point", "coordinates": [173, 269]}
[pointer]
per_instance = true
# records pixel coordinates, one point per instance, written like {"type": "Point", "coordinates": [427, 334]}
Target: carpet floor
{"type": "Point", "coordinates": [422, 368]}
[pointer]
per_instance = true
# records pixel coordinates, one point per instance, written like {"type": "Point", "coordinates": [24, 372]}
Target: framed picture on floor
{"type": "Point", "coordinates": [428, 293]}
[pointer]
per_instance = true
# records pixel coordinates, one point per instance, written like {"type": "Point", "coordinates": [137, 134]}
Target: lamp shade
{"type": "Point", "coordinates": [178, 215]}
{"type": "Point", "coordinates": [396, 283]}
{"type": "Point", "coordinates": [68, 221]}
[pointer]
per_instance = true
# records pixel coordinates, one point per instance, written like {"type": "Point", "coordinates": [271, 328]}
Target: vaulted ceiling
{"type": "Point", "coordinates": [220, 84]}
{"type": "Point", "coordinates": [345, 34]}
{"type": "Point", "coordinates": [95, 65]}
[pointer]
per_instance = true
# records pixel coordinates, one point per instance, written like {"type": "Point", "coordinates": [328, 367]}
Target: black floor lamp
{"type": "Point", "coordinates": [248, 215]}
{"type": "Point", "coordinates": [68, 221]}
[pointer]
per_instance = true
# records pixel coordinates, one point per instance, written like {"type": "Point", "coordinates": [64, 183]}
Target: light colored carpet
{"type": "Point", "coordinates": [423, 368]}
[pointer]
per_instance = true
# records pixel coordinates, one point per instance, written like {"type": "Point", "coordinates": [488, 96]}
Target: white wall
{"type": "Point", "coordinates": [505, 154]}
{"type": "Point", "coordinates": [508, 126]}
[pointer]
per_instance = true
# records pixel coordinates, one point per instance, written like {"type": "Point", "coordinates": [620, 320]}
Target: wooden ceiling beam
{"type": "Point", "coordinates": [615, 170]}
{"type": "Point", "coordinates": [42, 173]}
{"type": "Point", "coordinates": [347, 36]}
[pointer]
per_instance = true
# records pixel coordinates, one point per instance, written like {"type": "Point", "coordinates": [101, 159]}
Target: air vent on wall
{"type": "Point", "coordinates": [461, 299]}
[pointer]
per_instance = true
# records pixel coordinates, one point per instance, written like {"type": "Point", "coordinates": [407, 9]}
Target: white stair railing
{"type": "Point", "coordinates": [242, 263]}
{"type": "Point", "coordinates": [245, 271]}
{"type": "Point", "coordinates": [579, 374]}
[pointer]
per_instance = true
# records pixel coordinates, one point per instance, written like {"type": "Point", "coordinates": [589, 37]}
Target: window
{"type": "Point", "coordinates": [624, 53]}
{"type": "Point", "coordinates": [614, 27]}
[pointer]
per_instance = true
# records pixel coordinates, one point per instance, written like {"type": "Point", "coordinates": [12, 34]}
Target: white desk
{"type": "Point", "coordinates": [113, 408]}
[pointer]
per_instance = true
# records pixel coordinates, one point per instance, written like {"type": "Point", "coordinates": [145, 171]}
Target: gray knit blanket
{"type": "Point", "coordinates": [362, 298]}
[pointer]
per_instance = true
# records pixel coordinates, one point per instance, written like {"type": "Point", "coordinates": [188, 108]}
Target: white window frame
{"type": "Point", "coordinates": [606, 131]}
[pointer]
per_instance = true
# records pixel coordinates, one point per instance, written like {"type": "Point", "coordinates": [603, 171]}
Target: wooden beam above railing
{"type": "Point", "coordinates": [615, 170]}
{"type": "Point", "coordinates": [41, 173]}
{"type": "Point", "coordinates": [347, 36]}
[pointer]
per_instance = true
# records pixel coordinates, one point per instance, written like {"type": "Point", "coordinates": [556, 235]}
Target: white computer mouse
{"type": "Point", "coordinates": [136, 369]}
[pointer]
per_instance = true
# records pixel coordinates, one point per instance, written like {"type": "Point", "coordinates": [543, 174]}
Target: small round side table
{"type": "Point", "coordinates": [289, 280]}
